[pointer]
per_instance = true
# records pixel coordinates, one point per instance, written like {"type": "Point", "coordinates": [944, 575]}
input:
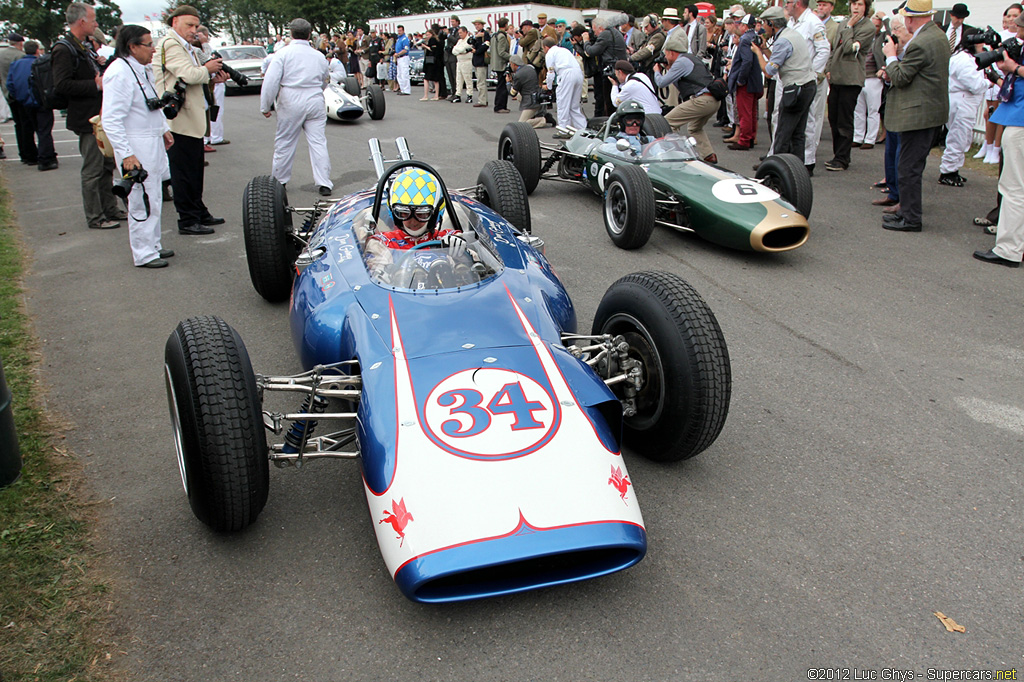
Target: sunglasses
{"type": "Point", "coordinates": [403, 212]}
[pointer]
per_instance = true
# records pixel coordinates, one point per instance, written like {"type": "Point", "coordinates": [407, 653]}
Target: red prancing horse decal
{"type": "Point", "coordinates": [619, 482]}
{"type": "Point", "coordinates": [399, 518]}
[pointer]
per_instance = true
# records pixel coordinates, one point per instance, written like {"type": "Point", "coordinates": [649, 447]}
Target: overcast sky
{"type": "Point", "coordinates": [134, 11]}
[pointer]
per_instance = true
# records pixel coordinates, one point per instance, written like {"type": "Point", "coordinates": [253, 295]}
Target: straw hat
{"type": "Point", "coordinates": [918, 8]}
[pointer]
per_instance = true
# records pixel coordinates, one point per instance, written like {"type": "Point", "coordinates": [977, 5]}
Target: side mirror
{"type": "Point", "coordinates": [623, 145]}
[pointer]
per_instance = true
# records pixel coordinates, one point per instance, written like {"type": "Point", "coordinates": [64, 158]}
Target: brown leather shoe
{"type": "Point", "coordinates": [740, 147]}
{"type": "Point", "coordinates": [895, 208]}
{"type": "Point", "coordinates": [884, 202]}
{"type": "Point", "coordinates": [867, 146]}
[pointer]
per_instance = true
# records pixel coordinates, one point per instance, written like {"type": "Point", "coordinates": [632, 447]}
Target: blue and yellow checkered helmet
{"type": "Point", "coordinates": [415, 187]}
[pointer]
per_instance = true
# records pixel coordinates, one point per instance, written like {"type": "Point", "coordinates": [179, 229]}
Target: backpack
{"type": "Point", "coordinates": [41, 79]}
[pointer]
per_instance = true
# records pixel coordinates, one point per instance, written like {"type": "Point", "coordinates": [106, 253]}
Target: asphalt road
{"type": "Point", "coordinates": [869, 473]}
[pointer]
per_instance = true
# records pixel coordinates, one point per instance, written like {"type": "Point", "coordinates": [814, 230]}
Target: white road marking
{"type": "Point", "coordinates": [1009, 417]}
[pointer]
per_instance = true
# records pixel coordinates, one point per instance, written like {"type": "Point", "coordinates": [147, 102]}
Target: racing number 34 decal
{"type": "Point", "coordinates": [490, 413]}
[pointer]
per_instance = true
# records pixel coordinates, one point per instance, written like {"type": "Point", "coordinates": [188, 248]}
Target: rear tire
{"type": "Point", "coordinates": [501, 188]}
{"type": "Point", "coordinates": [375, 103]}
{"type": "Point", "coordinates": [682, 406]}
{"type": "Point", "coordinates": [352, 86]}
{"type": "Point", "coordinates": [788, 176]}
{"type": "Point", "coordinates": [656, 126]}
{"type": "Point", "coordinates": [629, 207]}
{"type": "Point", "coordinates": [519, 144]}
{"type": "Point", "coordinates": [269, 246]}
{"type": "Point", "coordinates": [595, 123]}
{"type": "Point", "coordinates": [218, 426]}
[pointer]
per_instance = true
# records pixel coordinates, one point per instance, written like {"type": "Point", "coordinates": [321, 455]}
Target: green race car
{"type": "Point", "coordinates": [664, 182]}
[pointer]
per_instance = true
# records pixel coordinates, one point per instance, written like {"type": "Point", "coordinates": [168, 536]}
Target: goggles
{"type": "Point", "coordinates": [403, 212]}
{"type": "Point", "coordinates": [633, 122]}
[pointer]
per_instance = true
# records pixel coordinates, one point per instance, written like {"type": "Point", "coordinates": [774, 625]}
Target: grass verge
{"type": "Point", "coordinates": [50, 603]}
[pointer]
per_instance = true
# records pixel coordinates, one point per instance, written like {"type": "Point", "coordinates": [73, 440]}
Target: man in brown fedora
{"type": "Point", "coordinates": [917, 105]}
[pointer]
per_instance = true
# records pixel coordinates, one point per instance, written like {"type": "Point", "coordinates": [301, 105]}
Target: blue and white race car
{"type": "Point", "coordinates": [488, 429]}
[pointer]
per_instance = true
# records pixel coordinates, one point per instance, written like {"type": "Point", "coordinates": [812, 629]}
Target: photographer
{"type": "Point", "coordinates": [699, 91]}
{"type": "Point", "coordinates": [628, 85]}
{"type": "Point", "coordinates": [789, 61]}
{"type": "Point", "coordinates": [523, 82]}
{"type": "Point", "coordinates": [134, 121]}
{"type": "Point", "coordinates": [608, 46]}
{"type": "Point", "coordinates": [1009, 246]}
{"type": "Point", "coordinates": [176, 60]}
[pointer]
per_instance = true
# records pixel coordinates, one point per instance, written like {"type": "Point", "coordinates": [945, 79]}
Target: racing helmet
{"type": "Point", "coordinates": [415, 192]}
{"type": "Point", "coordinates": [630, 111]}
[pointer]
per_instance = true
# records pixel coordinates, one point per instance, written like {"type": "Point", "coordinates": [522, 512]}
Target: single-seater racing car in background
{"type": "Point", "coordinates": [660, 179]}
{"type": "Point", "coordinates": [346, 101]}
{"type": "Point", "coordinates": [441, 350]}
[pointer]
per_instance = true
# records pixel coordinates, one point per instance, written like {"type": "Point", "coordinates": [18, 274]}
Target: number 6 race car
{"type": "Point", "coordinates": [666, 183]}
{"type": "Point", "coordinates": [459, 380]}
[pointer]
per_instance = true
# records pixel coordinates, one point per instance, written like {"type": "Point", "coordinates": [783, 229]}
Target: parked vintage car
{"type": "Point", "coordinates": [487, 426]}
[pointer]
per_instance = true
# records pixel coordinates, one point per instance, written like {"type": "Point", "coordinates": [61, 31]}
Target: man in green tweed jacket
{"type": "Point", "coordinates": [916, 106]}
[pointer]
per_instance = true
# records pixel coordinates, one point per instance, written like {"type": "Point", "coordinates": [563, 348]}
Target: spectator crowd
{"type": "Point", "coordinates": [902, 80]}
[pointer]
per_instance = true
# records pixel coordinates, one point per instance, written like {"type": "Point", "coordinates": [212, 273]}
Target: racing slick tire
{"type": "Point", "coordinates": [218, 426]}
{"type": "Point", "coordinates": [656, 126]}
{"type": "Point", "coordinates": [269, 247]}
{"type": "Point", "coordinates": [629, 207]}
{"type": "Point", "coordinates": [501, 187]}
{"type": "Point", "coordinates": [351, 86]}
{"type": "Point", "coordinates": [684, 401]}
{"type": "Point", "coordinates": [519, 144]}
{"type": "Point", "coordinates": [788, 176]}
{"type": "Point", "coordinates": [375, 104]}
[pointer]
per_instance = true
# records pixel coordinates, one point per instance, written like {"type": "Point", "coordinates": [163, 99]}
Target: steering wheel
{"type": "Point", "coordinates": [426, 245]}
{"type": "Point", "coordinates": [378, 195]}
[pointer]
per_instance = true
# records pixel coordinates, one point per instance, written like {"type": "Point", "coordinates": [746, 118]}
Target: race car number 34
{"type": "Point", "coordinates": [490, 414]}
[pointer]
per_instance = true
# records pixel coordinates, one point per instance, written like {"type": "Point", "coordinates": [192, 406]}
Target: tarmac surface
{"type": "Point", "coordinates": [869, 473]}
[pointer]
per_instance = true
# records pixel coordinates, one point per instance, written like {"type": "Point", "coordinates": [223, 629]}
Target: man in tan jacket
{"type": "Point", "coordinates": [176, 60]}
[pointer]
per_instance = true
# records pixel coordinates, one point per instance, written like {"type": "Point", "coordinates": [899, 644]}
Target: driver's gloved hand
{"type": "Point", "coordinates": [455, 244]}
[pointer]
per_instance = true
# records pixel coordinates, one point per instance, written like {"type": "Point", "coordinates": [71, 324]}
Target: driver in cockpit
{"type": "Point", "coordinates": [417, 206]}
{"type": "Point", "coordinates": [630, 116]}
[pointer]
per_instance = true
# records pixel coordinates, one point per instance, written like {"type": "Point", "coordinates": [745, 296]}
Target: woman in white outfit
{"type": "Point", "coordinates": [134, 121]}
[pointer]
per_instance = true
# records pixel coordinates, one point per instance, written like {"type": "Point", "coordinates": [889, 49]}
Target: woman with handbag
{"type": "Point", "coordinates": [134, 122]}
{"type": "Point", "coordinates": [433, 68]}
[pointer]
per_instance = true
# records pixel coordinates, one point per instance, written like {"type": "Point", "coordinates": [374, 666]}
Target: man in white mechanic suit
{"type": "Point", "coordinates": [294, 86]}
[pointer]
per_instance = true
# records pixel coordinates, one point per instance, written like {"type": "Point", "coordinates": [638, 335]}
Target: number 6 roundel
{"type": "Point", "coordinates": [490, 413]}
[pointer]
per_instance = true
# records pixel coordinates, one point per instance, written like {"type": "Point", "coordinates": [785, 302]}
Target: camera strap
{"type": "Point", "coordinates": [143, 89]}
{"type": "Point", "coordinates": [633, 77]}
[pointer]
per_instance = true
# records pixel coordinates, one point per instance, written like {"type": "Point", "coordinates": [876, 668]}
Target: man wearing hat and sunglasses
{"type": "Point", "coordinates": [916, 106]}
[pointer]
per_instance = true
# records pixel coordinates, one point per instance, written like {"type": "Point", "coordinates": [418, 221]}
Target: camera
{"type": "Point", "coordinates": [660, 59]}
{"type": "Point", "coordinates": [545, 97]}
{"type": "Point", "coordinates": [123, 185]}
{"type": "Point", "coordinates": [609, 71]}
{"type": "Point", "coordinates": [240, 79]}
{"type": "Point", "coordinates": [171, 101]}
{"type": "Point", "coordinates": [758, 38]}
{"type": "Point", "coordinates": [1011, 48]}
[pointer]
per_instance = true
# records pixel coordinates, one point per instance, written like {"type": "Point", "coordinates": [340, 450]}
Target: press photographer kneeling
{"type": "Point", "coordinates": [135, 120]}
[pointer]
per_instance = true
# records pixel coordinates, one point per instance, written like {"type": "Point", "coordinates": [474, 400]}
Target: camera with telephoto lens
{"type": "Point", "coordinates": [661, 59]}
{"type": "Point", "coordinates": [240, 79]}
{"type": "Point", "coordinates": [545, 97]}
{"type": "Point", "coordinates": [129, 178]}
{"type": "Point", "coordinates": [1000, 48]}
{"type": "Point", "coordinates": [171, 101]}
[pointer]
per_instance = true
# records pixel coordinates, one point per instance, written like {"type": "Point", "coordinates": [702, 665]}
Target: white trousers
{"type": "Point", "coordinates": [305, 111]}
{"type": "Point", "coordinates": [963, 112]}
{"type": "Point", "coordinates": [143, 232]}
{"type": "Point", "coordinates": [568, 92]}
{"type": "Point", "coordinates": [1010, 231]}
{"type": "Point", "coordinates": [481, 84]}
{"type": "Point", "coordinates": [402, 75]}
{"type": "Point", "coordinates": [464, 78]}
{"type": "Point", "coordinates": [815, 119]}
{"type": "Point", "coordinates": [775, 113]}
{"type": "Point", "coordinates": [730, 109]}
{"type": "Point", "coordinates": [217, 127]}
{"type": "Point", "coordinates": [865, 116]}
{"type": "Point", "coordinates": [5, 111]}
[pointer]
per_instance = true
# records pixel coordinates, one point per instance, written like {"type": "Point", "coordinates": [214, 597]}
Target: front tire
{"type": "Point", "coordinates": [519, 144]}
{"type": "Point", "coordinates": [629, 207]}
{"type": "Point", "coordinates": [375, 104]}
{"type": "Point", "coordinates": [218, 427]}
{"type": "Point", "coordinates": [788, 176]}
{"type": "Point", "coordinates": [501, 188]}
{"type": "Point", "coordinates": [269, 247]}
{"type": "Point", "coordinates": [684, 401]}
{"type": "Point", "coordinates": [352, 86]}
